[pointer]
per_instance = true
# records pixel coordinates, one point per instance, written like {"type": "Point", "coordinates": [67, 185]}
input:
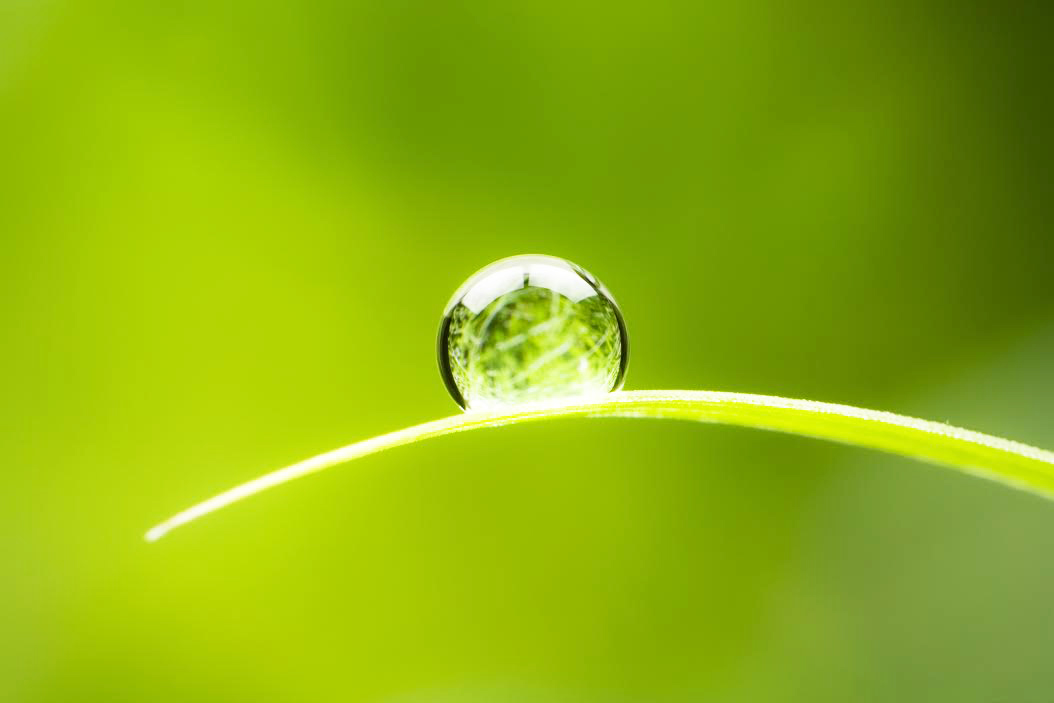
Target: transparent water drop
{"type": "Point", "coordinates": [531, 328]}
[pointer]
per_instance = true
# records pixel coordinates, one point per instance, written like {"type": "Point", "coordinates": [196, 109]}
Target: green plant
{"type": "Point", "coordinates": [1001, 460]}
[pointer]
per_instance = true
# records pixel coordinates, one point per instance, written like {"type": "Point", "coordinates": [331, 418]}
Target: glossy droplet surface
{"type": "Point", "coordinates": [531, 328]}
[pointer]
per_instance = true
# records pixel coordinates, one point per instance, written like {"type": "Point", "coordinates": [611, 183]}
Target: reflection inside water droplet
{"type": "Point", "coordinates": [531, 328]}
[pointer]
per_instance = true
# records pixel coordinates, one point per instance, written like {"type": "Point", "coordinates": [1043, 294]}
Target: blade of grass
{"type": "Point", "coordinates": [1001, 460]}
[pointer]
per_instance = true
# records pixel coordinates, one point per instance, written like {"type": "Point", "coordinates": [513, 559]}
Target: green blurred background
{"type": "Point", "coordinates": [228, 233]}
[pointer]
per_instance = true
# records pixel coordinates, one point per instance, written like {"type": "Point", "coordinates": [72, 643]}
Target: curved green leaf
{"type": "Point", "coordinates": [1001, 460]}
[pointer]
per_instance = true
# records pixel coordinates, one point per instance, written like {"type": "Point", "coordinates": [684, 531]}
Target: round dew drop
{"type": "Point", "coordinates": [531, 328]}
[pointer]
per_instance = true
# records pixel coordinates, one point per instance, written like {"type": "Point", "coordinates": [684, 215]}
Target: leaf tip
{"type": "Point", "coordinates": [155, 533]}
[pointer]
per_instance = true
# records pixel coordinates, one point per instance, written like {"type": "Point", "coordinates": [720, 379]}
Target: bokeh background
{"type": "Point", "coordinates": [229, 230]}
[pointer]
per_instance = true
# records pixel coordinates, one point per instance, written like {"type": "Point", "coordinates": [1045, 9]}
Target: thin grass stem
{"type": "Point", "coordinates": [1001, 460]}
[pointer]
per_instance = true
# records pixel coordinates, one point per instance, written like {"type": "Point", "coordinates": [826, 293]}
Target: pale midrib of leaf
{"type": "Point", "coordinates": [1005, 461]}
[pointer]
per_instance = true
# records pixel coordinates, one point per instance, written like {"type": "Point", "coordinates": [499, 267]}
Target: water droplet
{"type": "Point", "coordinates": [531, 328]}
